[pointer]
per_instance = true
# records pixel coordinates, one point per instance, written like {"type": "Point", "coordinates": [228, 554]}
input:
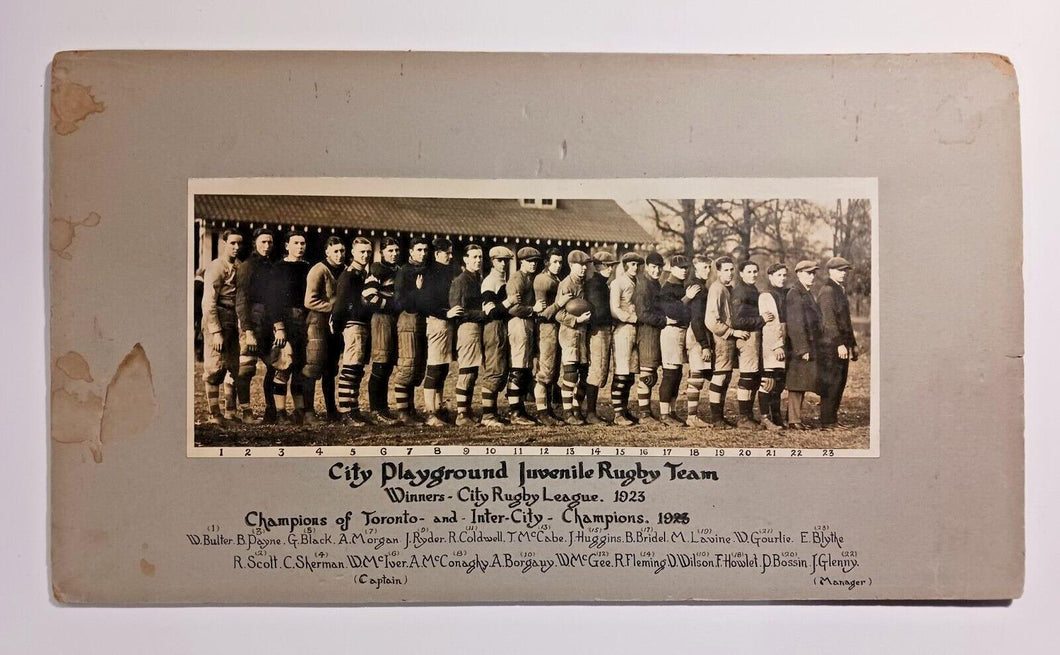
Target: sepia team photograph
{"type": "Point", "coordinates": [655, 323]}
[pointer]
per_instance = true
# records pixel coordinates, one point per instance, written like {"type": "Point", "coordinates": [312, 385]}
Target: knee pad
{"type": "Point", "coordinates": [282, 377]}
{"type": "Point", "coordinates": [519, 380]}
{"type": "Point", "coordinates": [432, 377]}
{"type": "Point", "coordinates": [672, 376]}
{"type": "Point", "coordinates": [698, 375]}
{"type": "Point", "coordinates": [215, 379]}
{"type": "Point", "coordinates": [719, 382]}
{"type": "Point", "coordinates": [747, 381]}
{"type": "Point", "coordinates": [526, 380]}
{"type": "Point", "coordinates": [417, 378]}
{"type": "Point", "coordinates": [248, 366]}
{"type": "Point", "coordinates": [648, 377]}
{"type": "Point", "coordinates": [570, 374]}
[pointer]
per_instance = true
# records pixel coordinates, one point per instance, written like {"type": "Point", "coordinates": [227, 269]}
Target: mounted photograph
{"type": "Point", "coordinates": [647, 323]}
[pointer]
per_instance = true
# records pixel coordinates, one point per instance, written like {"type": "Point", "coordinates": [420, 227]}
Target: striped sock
{"type": "Point", "coordinates": [617, 396]}
{"type": "Point", "coordinates": [213, 399]}
{"type": "Point", "coordinates": [489, 403]}
{"type": "Point", "coordinates": [693, 391]}
{"type": "Point", "coordinates": [579, 393]}
{"type": "Point", "coordinates": [625, 386]}
{"type": "Point", "coordinates": [515, 400]}
{"type": "Point", "coordinates": [644, 391]}
{"type": "Point", "coordinates": [719, 385]}
{"type": "Point", "coordinates": [347, 391]}
{"type": "Point", "coordinates": [465, 385]}
{"type": "Point", "coordinates": [541, 397]}
{"type": "Point", "coordinates": [463, 400]}
{"type": "Point", "coordinates": [566, 391]}
{"type": "Point", "coordinates": [514, 391]}
{"type": "Point", "coordinates": [568, 387]}
{"type": "Point", "coordinates": [402, 393]}
{"type": "Point", "coordinates": [279, 394]}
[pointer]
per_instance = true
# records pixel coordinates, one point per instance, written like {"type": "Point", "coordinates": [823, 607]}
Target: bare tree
{"type": "Point", "coordinates": [852, 239]}
{"type": "Point", "coordinates": [773, 228]}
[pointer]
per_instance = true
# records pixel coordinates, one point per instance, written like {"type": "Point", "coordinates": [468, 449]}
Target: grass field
{"type": "Point", "coordinates": [854, 412]}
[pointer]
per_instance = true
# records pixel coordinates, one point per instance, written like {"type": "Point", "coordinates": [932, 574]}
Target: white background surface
{"type": "Point", "coordinates": [31, 32]}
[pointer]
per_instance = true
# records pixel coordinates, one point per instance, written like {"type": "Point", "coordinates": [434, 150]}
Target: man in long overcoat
{"type": "Point", "coordinates": [804, 334]}
{"type": "Point", "coordinates": [838, 347]}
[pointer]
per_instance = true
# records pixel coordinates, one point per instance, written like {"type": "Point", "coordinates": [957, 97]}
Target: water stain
{"type": "Point", "coordinates": [75, 419]}
{"type": "Point", "coordinates": [130, 404]}
{"type": "Point", "coordinates": [63, 230]}
{"type": "Point", "coordinates": [147, 568]}
{"type": "Point", "coordinates": [74, 366]}
{"type": "Point", "coordinates": [71, 103]}
{"type": "Point", "coordinates": [126, 409]}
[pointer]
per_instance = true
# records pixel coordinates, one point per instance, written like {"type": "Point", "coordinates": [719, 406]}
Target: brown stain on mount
{"type": "Point", "coordinates": [75, 418]}
{"type": "Point", "coordinates": [147, 568]}
{"type": "Point", "coordinates": [71, 103]}
{"type": "Point", "coordinates": [74, 366]}
{"type": "Point", "coordinates": [128, 406]}
{"type": "Point", "coordinates": [63, 230]}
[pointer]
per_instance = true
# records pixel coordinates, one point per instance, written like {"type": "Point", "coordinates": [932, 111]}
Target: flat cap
{"type": "Point", "coordinates": [678, 261]}
{"type": "Point", "coordinates": [632, 257]}
{"type": "Point", "coordinates": [532, 254]}
{"type": "Point", "coordinates": [604, 257]}
{"type": "Point", "coordinates": [441, 244]}
{"type": "Point", "coordinates": [577, 257]}
{"type": "Point", "coordinates": [840, 263]}
{"type": "Point", "coordinates": [500, 252]}
{"type": "Point", "coordinates": [805, 265]}
{"type": "Point", "coordinates": [654, 258]}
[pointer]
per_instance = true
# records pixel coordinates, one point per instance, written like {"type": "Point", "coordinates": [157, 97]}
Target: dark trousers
{"type": "Point", "coordinates": [831, 380]}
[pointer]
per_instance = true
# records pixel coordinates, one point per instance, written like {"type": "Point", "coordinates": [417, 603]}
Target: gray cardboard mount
{"type": "Point", "coordinates": [937, 515]}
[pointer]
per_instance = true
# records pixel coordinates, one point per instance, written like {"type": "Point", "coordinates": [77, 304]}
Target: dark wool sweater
{"type": "Point", "coordinates": [671, 299]}
{"type": "Point", "coordinates": [745, 314]}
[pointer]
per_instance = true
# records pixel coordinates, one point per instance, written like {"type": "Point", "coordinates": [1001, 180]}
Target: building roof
{"type": "Point", "coordinates": [594, 220]}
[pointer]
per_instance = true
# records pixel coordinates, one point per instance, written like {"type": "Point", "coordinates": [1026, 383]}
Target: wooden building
{"type": "Point", "coordinates": [541, 222]}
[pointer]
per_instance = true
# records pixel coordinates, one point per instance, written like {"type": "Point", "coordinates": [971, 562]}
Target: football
{"type": "Point", "coordinates": [577, 306]}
